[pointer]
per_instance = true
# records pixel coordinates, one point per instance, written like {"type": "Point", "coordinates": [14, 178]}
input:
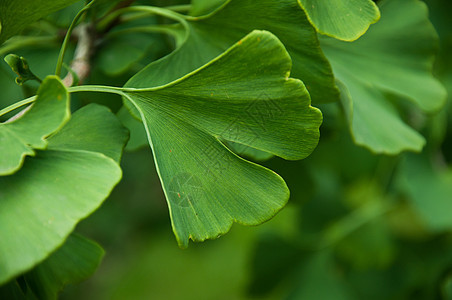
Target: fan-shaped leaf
{"type": "Point", "coordinates": [76, 260]}
{"type": "Point", "coordinates": [203, 7]}
{"type": "Point", "coordinates": [395, 56]}
{"type": "Point", "coordinates": [15, 15]}
{"type": "Point", "coordinates": [243, 96]}
{"type": "Point", "coordinates": [342, 19]}
{"type": "Point", "coordinates": [42, 202]}
{"type": "Point", "coordinates": [19, 137]}
{"type": "Point", "coordinates": [208, 36]}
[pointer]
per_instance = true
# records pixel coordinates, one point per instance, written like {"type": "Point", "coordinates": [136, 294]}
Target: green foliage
{"type": "Point", "coordinates": [15, 15]}
{"type": "Point", "coordinates": [415, 174]}
{"type": "Point", "coordinates": [372, 67]}
{"type": "Point", "coordinates": [207, 37]}
{"type": "Point", "coordinates": [77, 259]}
{"type": "Point", "coordinates": [197, 92]}
{"type": "Point", "coordinates": [20, 66]}
{"type": "Point", "coordinates": [19, 137]}
{"type": "Point", "coordinates": [263, 109]}
{"type": "Point", "coordinates": [43, 201]}
{"type": "Point", "coordinates": [344, 20]}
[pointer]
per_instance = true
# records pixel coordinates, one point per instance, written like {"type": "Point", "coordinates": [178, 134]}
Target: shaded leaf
{"type": "Point", "coordinates": [15, 15]}
{"type": "Point", "coordinates": [447, 288]}
{"type": "Point", "coordinates": [138, 137]}
{"type": "Point", "coordinates": [12, 290]}
{"type": "Point", "coordinates": [19, 137]}
{"type": "Point", "coordinates": [75, 261]}
{"type": "Point", "coordinates": [120, 53]}
{"type": "Point", "coordinates": [243, 96]}
{"type": "Point", "coordinates": [369, 244]}
{"type": "Point", "coordinates": [249, 152]}
{"type": "Point", "coordinates": [394, 56]}
{"type": "Point", "coordinates": [342, 19]}
{"type": "Point", "coordinates": [203, 7]}
{"type": "Point", "coordinates": [208, 36]}
{"type": "Point", "coordinates": [77, 133]}
{"type": "Point", "coordinates": [41, 203]}
{"type": "Point", "coordinates": [428, 190]}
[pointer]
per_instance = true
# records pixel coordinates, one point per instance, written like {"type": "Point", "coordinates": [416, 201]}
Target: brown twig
{"type": "Point", "coordinates": [83, 52]}
{"type": "Point", "coordinates": [80, 64]}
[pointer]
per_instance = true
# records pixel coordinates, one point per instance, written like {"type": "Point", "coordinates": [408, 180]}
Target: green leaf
{"type": "Point", "coordinates": [12, 290]}
{"type": "Point", "coordinates": [77, 134]}
{"type": "Point", "coordinates": [246, 151]}
{"type": "Point", "coordinates": [394, 57]}
{"type": "Point", "coordinates": [429, 191]}
{"type": "Point", "coordinates": [54, 190]}
{"type": "Point", "coordinates": [19, 137]}
{"type": "Point", "coordinates": [446, 288]}
{"type": "Point", "coordinates": [138, 137]}
{"type": "Point", "coordinates": [209, 36]}
{"type": "Point", "coordinates": [75, 261]}
{"type": "Point", "coordinates": [342, 19]}
{"type": "Point", "coordinates": [19, 65]}
{"type": "Point", "coordinates": [15, 15]}
{"type": "Point", "coordinates": [119, 53]}
{"type": "Point", "coordinates": [244, 96]}
{"type": "Point", "coordinates": [203, 7]}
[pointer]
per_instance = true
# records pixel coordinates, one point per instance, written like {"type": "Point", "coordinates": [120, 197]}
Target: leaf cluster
{"type": "Point", "coordinates": [223, 92]}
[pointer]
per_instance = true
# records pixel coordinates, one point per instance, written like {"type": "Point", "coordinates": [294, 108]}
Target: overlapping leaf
{"type": "Point", "coordinates": [19, 137]}
{"type": "Point", "coordinates": [42, 202]}
{"type": "Point", "coordinates": [93, 128]}
{"type": "Point", "coordinates": [138, 137]}
{"type": "Point", "coordinates": [76, 260]}
{"type": "Point", "coordinates": [203, 7]}
{"type": "Point", "coordinates": [243, 96]}
{"type": "Point", "coordinates": [15, 15]}
{"type": "Point", "coordinates": [395, 56]}
{"type": "Point", "coordinates": [342, 19]}
{"type": "Point", "coordinates": [208, 36]}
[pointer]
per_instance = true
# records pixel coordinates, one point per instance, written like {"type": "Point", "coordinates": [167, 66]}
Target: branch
{"type": "Point", "coordinates": [80, 64]}
{"type": "Point", "coordinates": [18, 115]}
{"type": "Point", "coordinates": [85, 46]}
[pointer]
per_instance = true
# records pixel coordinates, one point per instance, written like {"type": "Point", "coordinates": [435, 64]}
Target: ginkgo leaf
{"type": "Point", "coordinates": [42, 202]}
{"type": "Point", "coordinates": [19, 137]}
{"type": "Point", "coordinates": [203, 7]}
{"type": "Point", "coordinates": [76, 260]}
{"type": "Point", "coordinates": [342, 19]}
{"type": "Point", "coordinates": [248, 152]}
{"type": "Point", "coordinates": [395, 56]}
{"type": "Point", "coordinates": [138, 137]}
{"type": "Point", "coordinates": [76, 134]}
{"type": "Point", "coordinates": [246, 96]}
{"type": "Point", "coordinates": [209, 36]}
{"type": "Point", "coordinates": [15, 15]}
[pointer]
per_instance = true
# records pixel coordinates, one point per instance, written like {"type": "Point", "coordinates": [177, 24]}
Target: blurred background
{"type": "Point", "coordinates": [357, 226]}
